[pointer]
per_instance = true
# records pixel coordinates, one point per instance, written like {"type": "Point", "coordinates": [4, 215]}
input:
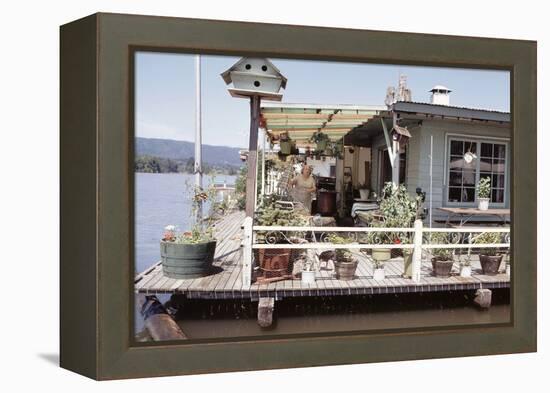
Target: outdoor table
{"type": "Point", "coordinates": [467, 213]}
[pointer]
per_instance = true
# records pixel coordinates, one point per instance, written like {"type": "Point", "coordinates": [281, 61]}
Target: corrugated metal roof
{"type": "Point", "coordinates": [451, 111]}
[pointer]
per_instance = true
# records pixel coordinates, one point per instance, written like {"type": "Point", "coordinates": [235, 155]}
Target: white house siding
{"type": "Point", "coordinates": [441, 131]}
{"type": "Point", "coordinates": [418, 157]}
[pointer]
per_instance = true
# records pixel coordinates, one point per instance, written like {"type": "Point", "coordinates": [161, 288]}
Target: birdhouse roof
{"type": "Point", "coordinates": [226, 75]}
{"type": "Point", "coordinates": [401, 131]}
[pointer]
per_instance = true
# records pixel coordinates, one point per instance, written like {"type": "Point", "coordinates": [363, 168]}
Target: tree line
{"type": "Point", "coordinates": [152, 164]}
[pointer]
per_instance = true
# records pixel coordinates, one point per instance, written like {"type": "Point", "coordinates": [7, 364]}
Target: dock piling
{"type": "Point", "coordinates": [265, 311]}
{"type": "Point", "coordinates": [483, 298]}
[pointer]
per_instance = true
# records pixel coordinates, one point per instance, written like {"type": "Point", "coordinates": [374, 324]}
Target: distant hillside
{"type": "Point", "coordinates": [181, 150]}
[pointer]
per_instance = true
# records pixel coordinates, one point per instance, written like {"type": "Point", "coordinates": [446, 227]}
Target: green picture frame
{"type": "Point", "coordinates": [97, 301]}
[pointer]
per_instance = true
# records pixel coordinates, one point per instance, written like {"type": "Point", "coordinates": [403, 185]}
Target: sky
{"type": "Point", "coordinates": [165, 92]}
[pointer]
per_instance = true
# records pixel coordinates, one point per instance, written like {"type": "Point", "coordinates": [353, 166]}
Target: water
{"type": "Point", "coordinates": [163, 199]}
{"type": "Point", "coordinates": [210, 320]}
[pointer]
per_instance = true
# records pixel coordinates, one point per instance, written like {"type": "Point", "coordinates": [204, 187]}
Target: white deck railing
{"type": "Point", "coordinates": [463, 239]}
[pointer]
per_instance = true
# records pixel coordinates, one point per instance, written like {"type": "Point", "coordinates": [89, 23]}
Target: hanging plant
{"type": "Point", "coordinates": [339, 148]}
{"type": "Point", "coordinates": [321, 139]}
{"type": "Point", "coordinates": [285, 144]}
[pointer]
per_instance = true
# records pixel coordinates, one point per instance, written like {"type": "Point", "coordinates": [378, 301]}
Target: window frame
{"type": "Point", "coordinates": [478, 140]}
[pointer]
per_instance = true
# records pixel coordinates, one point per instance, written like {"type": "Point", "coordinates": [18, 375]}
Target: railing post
{"type": "Point", "coordinates": [247, 252]}
{"type": "Point", "coordinates": [417, 253]}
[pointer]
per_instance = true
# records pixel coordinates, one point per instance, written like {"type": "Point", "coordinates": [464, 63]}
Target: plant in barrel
{"type": "Point", "coordinates": [190, 254]}
{"type": "Point", "coordinates": [275, 263]}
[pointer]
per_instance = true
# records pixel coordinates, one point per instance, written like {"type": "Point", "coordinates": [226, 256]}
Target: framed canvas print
{"type": "Point", "coordinates": [241, 196]}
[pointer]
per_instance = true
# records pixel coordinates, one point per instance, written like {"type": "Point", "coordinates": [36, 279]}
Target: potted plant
{"type": "Point", "coordinates": [363, 191]}
{"type": "Point", "coordinates": [379, 272]}
{"type": "Point", "coordinates": [466, 266]}
{"type": "Point", "coordinates": [275, 262]}
{"type": "Point", "coordinates": [285, 144]}
{"type": "Point", "coordinates": [484, 193]}
{"type": "Point", "coordinates": [339, 149]}
{"type": "Point", "coordinates": [321, 139]}
{"type": "Point", "coordinates": [489, 257]}
{"type": "Point", "coordinates": [190, 254]}
{"type": "Point", "coordinates": [442, 258]}
{"type": "Point", "coordinates": [399, 210]}
{"type": "Point", "coordinates": [345, 264]}
{"type": "Point", "coordinates": [407, 262]}
{"type": "Point", "coordinates": [308, 273]}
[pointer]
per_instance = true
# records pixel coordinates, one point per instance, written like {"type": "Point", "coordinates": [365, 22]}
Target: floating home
{"type": "Point", "coordinates": [438, 151]}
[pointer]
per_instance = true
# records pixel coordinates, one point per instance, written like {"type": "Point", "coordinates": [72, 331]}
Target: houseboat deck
{"type": "Point", "coordinates": [226, 283]}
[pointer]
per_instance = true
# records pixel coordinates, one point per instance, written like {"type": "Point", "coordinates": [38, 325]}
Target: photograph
{"type": "Point", "coordinates": [284, 197]}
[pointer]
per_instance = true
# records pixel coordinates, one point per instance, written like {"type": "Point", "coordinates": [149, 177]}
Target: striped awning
{"type": "Point", "coordinates": [301, 121]}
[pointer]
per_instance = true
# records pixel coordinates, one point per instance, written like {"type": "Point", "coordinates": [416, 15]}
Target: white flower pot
{"type": "Point", "coordinates": [308, 276]}
{"type": "Point", "coordinates": [364, 193]}
{"type": "Point", "coordinates": [483, 203]}
{"type": "Point", "coordinates": [379, 274]}
{"type": "Point", "coordinates": [465, 271]}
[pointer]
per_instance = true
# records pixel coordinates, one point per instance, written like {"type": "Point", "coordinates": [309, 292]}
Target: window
{"type": "Point", "coordinates": [469, 161]}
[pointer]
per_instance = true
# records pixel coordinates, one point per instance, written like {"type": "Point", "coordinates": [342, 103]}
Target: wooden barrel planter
{"type": "Point", "coordinates": [274, 262]}
{"type": "Point", "coordinates": [490, 264]}
{"type": "Point", "coordinates": [182, 260]}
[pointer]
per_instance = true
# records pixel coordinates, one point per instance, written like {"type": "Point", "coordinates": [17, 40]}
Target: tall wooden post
{"type": "Point", "coordinates": [252, 155]}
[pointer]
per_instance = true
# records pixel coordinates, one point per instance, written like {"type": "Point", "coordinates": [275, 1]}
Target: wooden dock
{"type": "Point", "coordinates": [226, 283]}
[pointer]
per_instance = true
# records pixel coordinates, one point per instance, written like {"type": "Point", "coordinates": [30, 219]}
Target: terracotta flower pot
{"type": "Point", "coordinates": [442, 268]}
{"type": "Point", "coordinates": [490, 264]}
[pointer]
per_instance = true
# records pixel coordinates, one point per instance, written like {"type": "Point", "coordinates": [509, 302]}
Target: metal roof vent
{"type": "Point", "coordinates": [440, 95]}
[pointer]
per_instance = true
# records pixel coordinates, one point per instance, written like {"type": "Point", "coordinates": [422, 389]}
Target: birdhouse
{"type": "Point", "coordinates": [400, 134]}
{"type": "Point", "coordinates": [255, 77]}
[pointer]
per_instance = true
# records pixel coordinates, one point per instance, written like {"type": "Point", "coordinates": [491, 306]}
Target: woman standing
{"type": "Point", "coordinates": [304, 187]}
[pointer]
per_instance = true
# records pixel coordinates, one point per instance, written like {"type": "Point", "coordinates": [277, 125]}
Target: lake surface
{"type": "Point", "coordinates": [164, 199]}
